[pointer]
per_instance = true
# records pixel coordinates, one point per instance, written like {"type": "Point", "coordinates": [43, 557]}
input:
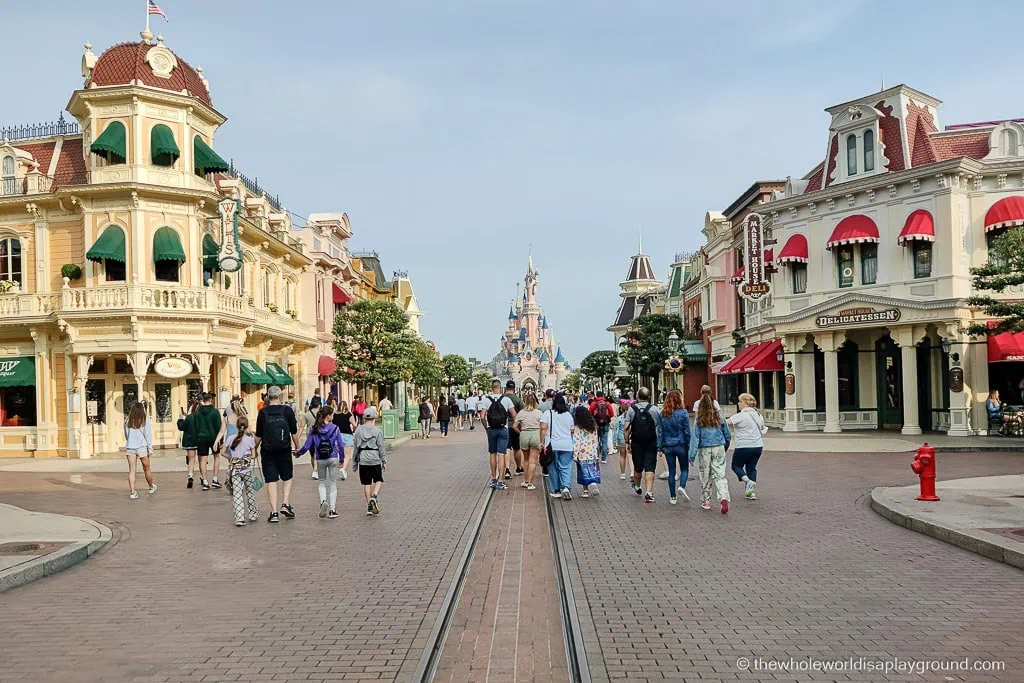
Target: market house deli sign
{"type": "Point", "coordinates": [754, 284]}
{"type": "Point", "coordinates": [858, 316]}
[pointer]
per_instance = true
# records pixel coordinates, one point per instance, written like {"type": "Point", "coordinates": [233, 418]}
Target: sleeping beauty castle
{"type": "Point", "coordinates": [529, 354]}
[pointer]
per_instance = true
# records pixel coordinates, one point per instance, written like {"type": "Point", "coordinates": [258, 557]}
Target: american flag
{"type": "Point", "coordinates": [155, 9]}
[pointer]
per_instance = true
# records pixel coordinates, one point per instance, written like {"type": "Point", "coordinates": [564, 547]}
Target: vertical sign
{"type": "Point", "coordinates": [229, 259]}
{"type": "Point", "coordinates": [754, 284]}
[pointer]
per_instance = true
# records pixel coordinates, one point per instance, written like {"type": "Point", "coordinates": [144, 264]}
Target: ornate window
{"type": "Point", "coordinates": [844, 265]}
{"type": "Point", "coordinates": [922, 259]}
{"type": "Point", "coordinates": [851, 155]}
{"type": "Point", "coordinates": [167, 270]}
{"type": "Point", "coordinates": [7, 177]}
{"type": "Point", "coordinates": [868, 264]}
{"type": "Point", "coordinates": [869, 150]}
{"type": "Point", "coordinates": [799, 271]}
{"type": "Point", "coordinates": [10, 260]}
{"type": "Point", "coordinates": [1008, 142]}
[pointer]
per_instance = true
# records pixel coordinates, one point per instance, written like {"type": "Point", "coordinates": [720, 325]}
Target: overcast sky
{"type": "Point", "coordinates": [456, 133]}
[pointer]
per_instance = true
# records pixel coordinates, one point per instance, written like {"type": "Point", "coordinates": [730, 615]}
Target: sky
{"type": "Point", "coordinates": [457, 134]}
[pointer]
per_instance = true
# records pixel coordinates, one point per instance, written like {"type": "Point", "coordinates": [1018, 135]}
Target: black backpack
{"type": "Point", "coordinates": [497, 413]}
{"type": "Point", "coordinates": [604, 413]}
{"type": "Point", "coordinates": [324, 447]}
{"type": "Point", "coordinates": [275, 430]}
{"type": "Point", "coordinates": [642, 430]}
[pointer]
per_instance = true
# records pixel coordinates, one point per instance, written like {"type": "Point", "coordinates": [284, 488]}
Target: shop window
{"type": "Point", "coordinates": [869, 151]}
{"type": "Point", "coordinates": [728, 389]}
{"type": "Point", "coordinates": [96, 390]}
{"type": "Point", "coordinates": [122, 366]}
{"type": "Point", "coordinates": [18, 406]}
{"type": "Point", "coordinates": [131, 397]}
{"type": "Point", "coordinates": [163, 402]}
{"type": "Point", "coordinates": [844, 265]}
{"type": "Point", "coordinates": [780, 387]}
{"type": "Point", "coordinates": [98, 366]}
{"type": "Point", "coordinates": [167, 271]}
{"type": "Point", "coordinates": [847, 360]}
{"type": "Point", "coordinates": [819, 379]}
{"type": "Point", "coordinates": [799, 271]}
{"type": "Point", "coordinates": [193, 391]}
{"type": "Point", "coordinates": [994, 260]}
{"type": "Point", "coordinates": [868, 264]}
{"type": "Point", "coordinates": [10, 260]}
{"type": "Point", "coordinates": [851, 155]}
{"type": "Point", "coordinates": [922, 259]}
{"type": "Point", "coordinates": [768, 378]}
{"type": "Point", "coordinates": [754, 386]}
{"type": "Point", "coordinates": [114, 270]}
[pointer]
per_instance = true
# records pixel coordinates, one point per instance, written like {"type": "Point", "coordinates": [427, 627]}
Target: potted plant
{"type": "Point", "coordinates": [71, 271]}
{"type": "Point", "coordinates": [227, 282]}
{"type": "Point", "coordinates": [272, 307]}
{"type": "Point", "coordinates": [7, 286]}
{"type": "Point", "coordinates": [293, 313]}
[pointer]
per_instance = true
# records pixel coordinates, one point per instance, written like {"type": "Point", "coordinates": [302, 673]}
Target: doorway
{"type": "Point", "coordinates": [889, 380]}
{"type": "Point", "coordinates": [924, 381]}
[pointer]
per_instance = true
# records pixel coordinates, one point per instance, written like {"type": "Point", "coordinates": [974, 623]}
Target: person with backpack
{"type": "Point", "coordinates": [187, 427]}
{"type": "Point", "coordinates": [603, 414]}
{"type": "Point", "coordinates": [277, 437]}
{"type": "Point", "coordinates": [241, 454]}
{"type": "Point", "coordinates": [674, 442]}
{"type": "Point", "coordinates": [444, 416]}
{"type": "Point", "coordinates": [305, 421]}
{"type": "Point", "coordinates": [369, 456]}
{"type": "Point", "coordinates": [619, 440]}
{"type": "Point", "coordinates": [324, 442]}
{"type": "Point", "coordinates": [496, 409]}
{"type": "Point", "coordinates": [641, 432]}
{"type": "Point", "coordinates": [749, 429]}
{"type": "Point", "coordinates": [514, 447]}
{"type": "Point", "coordinates": [556, 433]}
{"type": "Point", "coordinates": [208, 424]}
{"type": "Point", "coordinates": [708, 444]}
{"type": "Point", "coordinates": [426, 417]}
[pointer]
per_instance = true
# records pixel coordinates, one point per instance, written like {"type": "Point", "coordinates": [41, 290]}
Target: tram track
{"type": "Point", "coordinates": [572, 634]}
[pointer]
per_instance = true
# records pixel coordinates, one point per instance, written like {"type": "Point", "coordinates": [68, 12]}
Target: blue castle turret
{"type": "Point", "coordinates": [559, 358]}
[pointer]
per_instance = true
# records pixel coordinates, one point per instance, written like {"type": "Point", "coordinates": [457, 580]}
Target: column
{"type": "Point", "coordinates": [908, 356]}
{"type": "Point", "coordinates": [828, 346]}
{"type": "Point", "coordinates": [46, 402]}
{"type": "Point", "coordinates": [791, 366]}
{"type": "Point", "coordinates": [83, 436]}
{"type": "Point", "coordinates": [204, 361]}
{"type": "Point", "coordinates": [140, 365]}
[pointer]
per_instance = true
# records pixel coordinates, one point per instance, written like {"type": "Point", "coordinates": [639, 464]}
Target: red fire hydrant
{"type": "Point", "coordinates": [924, 467]}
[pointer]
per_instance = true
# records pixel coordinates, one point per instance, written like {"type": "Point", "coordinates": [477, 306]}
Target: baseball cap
{"type": "Point", "coordinates": [511, 384]}
{"type": "Point", "coordinates": [274, 392]}
{"type": "Point", "coordinates": [371, 413]}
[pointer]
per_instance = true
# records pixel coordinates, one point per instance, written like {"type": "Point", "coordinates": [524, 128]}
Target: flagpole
{"type": "Point", "coordinates": [147, 16]}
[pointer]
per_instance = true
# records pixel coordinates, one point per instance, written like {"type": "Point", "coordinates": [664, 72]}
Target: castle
{"type": "Point", "coordinates": [528, 353]}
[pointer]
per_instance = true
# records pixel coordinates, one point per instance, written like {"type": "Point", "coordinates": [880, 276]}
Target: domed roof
{"type": "Point", "coordinates": [126, 63]}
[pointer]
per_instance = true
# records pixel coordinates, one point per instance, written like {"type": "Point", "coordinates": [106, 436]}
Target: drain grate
{"type": "Point", "coordinates": [29, 548]}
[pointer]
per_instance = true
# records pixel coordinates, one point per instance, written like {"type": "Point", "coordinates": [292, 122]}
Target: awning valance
{"type": "Point", "coordinates": [205, 159]}
{"type": "Point", "coordinates": [737, 362]}
{"type": "Point", "coordinates": [795, 250]}
{"type": "Point", "coordinates": [340, 295]}
{"type": "Point", "coordinates": [253, 373]}
{"type": "Point", "coordinates": [110, 245]}
{"type": "Point", "coordinates": [852, 230]}
{"type": "Point", "coordinates": [326, 366]}
{"type": "Point", "coordinates": [19, 371]}
{"type": "Point", "coordinates": [278, 375]}
{"type": "Point", "coordinates": [694, 351]}
{"type": "Point", "coordinates": [765, 359]}
{"type": "Point", "coordinates": [210, 251]}
{"type": "Point", "coordinates": [111, 143]}
{"type": "Point", "coordinates": [919, 226]}
{"type": "Point", "coordinates": [1006, 347]}
{"type": "Point", "coordinates": [737, 277]}
{"type": "Point", "coordinates": [1008, 212]}
{"type": "Point", "coordinates": [167, 246]}
{"type": "Point", "coordinates": [163, 150]}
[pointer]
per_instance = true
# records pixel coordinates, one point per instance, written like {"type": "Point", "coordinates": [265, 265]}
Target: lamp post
{"type": "Point", "coordinates": [673, 347]}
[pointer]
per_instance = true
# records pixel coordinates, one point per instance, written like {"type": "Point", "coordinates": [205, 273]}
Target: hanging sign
{"type": "Point", "coordinates": [230, 257]}
{"type": "Point", "coordinates": [755, 285]}
{"type": "Point", "coordinates": [173, 368]}
{"type": "Point", "coordinates": [790, 384]}
{"type": "Point", "coordinates": [956, 380]}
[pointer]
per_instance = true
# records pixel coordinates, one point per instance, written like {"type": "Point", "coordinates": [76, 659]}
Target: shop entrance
{"type": "Point", "coordinates": [889, 380]}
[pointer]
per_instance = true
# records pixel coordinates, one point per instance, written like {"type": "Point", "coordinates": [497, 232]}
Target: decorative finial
{"type": "Point", "coordinates": [88, 45]}
{"type": "Point", "coordinates": [146, 35]}
{"type": "Point", "coordinates": [160, 39]}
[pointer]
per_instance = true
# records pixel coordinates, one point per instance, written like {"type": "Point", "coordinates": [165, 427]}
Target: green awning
{"type": "Point", "coordinates": [162, 148]}
{"type": "Point", "coordinates": [252, 373]}
{"type": "Point", "coordinates": [18, 372]}
{"type": "Point", "coordinates": [693, 350]}
{"type": "Point", "coordinates": [111, 143]}
{"type": "Point", "coordinates": [210, 251]}
{"type": "Point", "coordinates": [206, 160]}
{"type": "Point", "coordinates": [110, 245]}
{"type": "Point", "coordinates": [167, 246]}
{"type": "Point", "coordinates": [278, 375]}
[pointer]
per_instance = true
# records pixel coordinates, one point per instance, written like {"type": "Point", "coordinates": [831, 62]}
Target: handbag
{"type": "Point", "coordinates": [547, 456]}
{"type": "Point", "coordinates": [257, 474]}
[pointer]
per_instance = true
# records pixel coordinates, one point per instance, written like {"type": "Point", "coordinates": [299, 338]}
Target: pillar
{"type": "Point", "coordinates": [791, 365]}
{"type": "Point", "coordinates": [82, 434]}
{"type": "Point", "coordinates": [908, 356]}
{"type": "Point", "coordinates": [828, 345]}
{"type": "Point", "coordinates": [46, 402]}
{"type": "Point", "coordinates": [140, 365]}
{"type": "Point", "coordinates": [204, 360]}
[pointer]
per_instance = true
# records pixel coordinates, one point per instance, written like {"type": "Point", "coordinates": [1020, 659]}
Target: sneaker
{"type": "Point", "coordinates": [215, 484]}
{"type": "Point", "coordinates": [254, 518]}
{"type": "Point", "coordinates": [706, 506]}
{"type": "Point", "coordinates": [594, 491]}
{"type": "Point", "coordinates": [508, 473]}
{"type": "Point", "coordinates": [725, 506]}
{"type": "Point", "coordinates": [374, 507]}
{"type": "Point", "coordinates": [648, 497]}
{"type": "Point", "coordinates": [134, 495]}
{"type": "Point", "coordinates": [369, 510]}
{"type": "Point", "coordinates": [152, 489]}
{"type": "Point", "coordinates": [663, 475]}
{"type": "Point", "coordinates": [274, 518]}
{"type": "Point", "coordinates": [637, 490]}
{"type": "Point", "coordinates": [343, 474]}
{"type": "Point", "coordinates": [684, 494]}
{"type": "Point", "coordinates": [315, 476]}
{"type": "Point", "coordinates": [555, 494]}
{"type": "Point", "coordinates": [189, 484]}
{"type": "Point", "coordinates": [288, 511]}
{"type": "Point", "coordinates": [519, 471]}
{"type": "Point", "coordinates": [566, 494]}
{"type": "Point", "coordinates": [501, 486]}
{"type": "Point", "coordinates": [750, 490]}
{"type": "Point", "coordinates": [240, 522]}
{"type": "Point", "coordinates": [531, 487]}
{"type": "Point", "coordinates": [205, 485]}
{"type": "Point", "coordinates": [586, 493]}
{"type": "Point", "coordinates": [673, 501]}
{"type": "Point", "coordinates": [493, 484]}
{"type": "Point", "coordinates": [333, 514]}
{"type": "Point", "coordinates": [622, 477]}
{"type": "Point", "coordinates": [523, 485]}
{"type": "Point", "coordinates": [323, 509]}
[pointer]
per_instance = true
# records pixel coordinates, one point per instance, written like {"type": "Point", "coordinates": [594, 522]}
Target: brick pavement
{"type": "Point", "coordinates": [185, 596]}
{"type": "Point", "coordinates": [676, 593]}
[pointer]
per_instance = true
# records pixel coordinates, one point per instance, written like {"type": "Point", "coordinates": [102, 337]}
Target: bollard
{"type": "Point", "coordinates": [924, 467]}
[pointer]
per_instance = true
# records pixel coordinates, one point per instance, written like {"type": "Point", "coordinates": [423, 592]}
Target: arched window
{"type": "Point", "coordinates": [162, 147]}
{"type": "Point", "coordinates": [851, 155]}
{"type": "Point", "coordinates": [869, 150]}
{"type": "Point", "coordinates": [10, 260]}
{"type": "Point", "coordinates": [8, 177]}
{"type": "Point", "coordinates": [1007, 143]}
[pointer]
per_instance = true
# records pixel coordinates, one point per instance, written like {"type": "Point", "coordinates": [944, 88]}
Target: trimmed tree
{"type": "Point", "coordinates": [1004, 269]}
{"type": "Point", "coordinates": [573, 382]}
{"type": "Point", "coordinates": [482, 380]}
{"type": "Point", "coordinates": [372, 341]}
{"type": "Point", "coordinates": [599, 367]}
{"type": "Point", "coordinates": [427, 369]}
{"type": "Point", "coordinates": [456, 370]}
{"type": "Point", "coordinates": [645, 346]}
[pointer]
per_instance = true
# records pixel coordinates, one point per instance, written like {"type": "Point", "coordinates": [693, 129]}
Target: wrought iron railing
{"type": "Point", "coordinates": [32, 131]}
{"type": "Point", "coordinates": [253, 186]}
{"type": "Point", "coordinates": [9, 186]}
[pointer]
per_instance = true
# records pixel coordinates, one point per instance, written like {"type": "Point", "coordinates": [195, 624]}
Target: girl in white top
{"type": "Point", "coordinates": [556, 429]}
{"type": "Point", "coordinates": [138, 433]}
{"type": "Point", "coordinates": [748, 430]}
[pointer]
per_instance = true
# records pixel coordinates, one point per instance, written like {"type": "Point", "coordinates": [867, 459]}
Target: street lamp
{"type": "Point", "coordinates": [673, 342]}
{"type": "Point", "coordinates": [674, 362]}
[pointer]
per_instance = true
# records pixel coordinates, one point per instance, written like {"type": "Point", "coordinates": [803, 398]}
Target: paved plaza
{"type": "Point", "coordinates": [807, 572]}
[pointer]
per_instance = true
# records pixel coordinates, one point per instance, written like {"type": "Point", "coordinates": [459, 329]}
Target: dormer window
{"type": "Point", "coordinates": [854, 145]}
{"type": "Point", "coordinates": [1005, 141]}
{"type": "Point", "coordinates": [7, 177]}
{"type": "Point", "coordinates": [1008, 142]}
{"type": "Point", "coordinates": [851, 155]}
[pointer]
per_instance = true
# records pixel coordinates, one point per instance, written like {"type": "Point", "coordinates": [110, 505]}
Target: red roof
{"type": "Point", "coordinates": [814, 180]}
{"type": "Point", "coordinates": [765, 359]}
{"type": "Point", "coordinates": [891, 138]}
{"type": "Point", "coordinates": [340, 295]}
{"type": "Point", "coordinates": [326, 366]}
{"type": "Point", "coordinates": [973, 145]}
{"type": "Point", "coordinates": [853, 229]}
{"type": "Point", "coordinates": [71, 164]}
{"type": "Point", "coordinates": [737, 363]}
{"type": "Point", "coordinates": [126, 62]}
{"type": "Point", "coordinates": [795, 250]}
{"type": "Point", "coordinates": [919, 226]}
{"type": "Point", "coordinates": [1006, 346]}
{"type": "Point", "coordinates": [41, 152]}
{"type": "Point", "coordinates": [1007, 212]}
{"type": "Point", "coordinates": [832, 162]}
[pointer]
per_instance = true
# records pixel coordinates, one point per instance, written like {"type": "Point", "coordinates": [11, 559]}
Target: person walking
{"type": "Point", "coordinates": [527, 425]}
{"type": "Point", "coordinates": [453, 410]}
{"type": "Point", "coordinates": [472, 406]}
{"type": "Point", "coordinates": [315, 402]}
{"type": "Point", "coordinates": [277, 437]}
{"type": "Point", "coordinates": [208, 426]}
{"type": "Point", "coordinates": [369, 457]}
{"type": "Point", "coordinates": [426, 415]}
{"type": "Point", "coordinates": [586, 452]}
{"type": "Point", "coordinates": [603, 414]}
{"type": "Point", "coordinates": [556, 431]}
{"type": "Point", "coordinates": [546, 404]}
{"type": "Point", "coordinates": [306, 419]}
{"type": "Point", "coordinates": [444, 416]}
{"type": "Point", "coordinates": [187, 427]}
{"type": "Point", "coordinates": [495, 411]}
{"type": "Point", "coordinates": [138, 434]}
{"type": "Point", "coordinates": [641, 432]}
{"type": "Point", "coordinates": [708, 444]}
{"type": "Point", "coordinates": [460, 402]}
{"type": "Point", "coordinates": [241, 455]}
{"type": "Point", "coordinates": [324, 442]}
{"type": "Point", "coordinates": [228, 428]}
{"type": "Point", "coordinates": [674, 442]}
{"type": "Point", "coordinates": [748, 429]}
{"type": "Point", "coordinates": [619, 440]}
{"type": "Point", "coordinates": [358, 409]}
{"type": "Point", "coordinates": [346, 424]}
{"type": "Point", "coordinates": [514, 446]}
{"type": "Point", "coordinates": [384, 404]}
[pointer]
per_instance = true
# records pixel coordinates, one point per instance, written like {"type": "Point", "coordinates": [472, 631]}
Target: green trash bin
{"type": "Point", "coordinates": [389, 422]}
{"type": "Point", "coordinates": [412, 417]}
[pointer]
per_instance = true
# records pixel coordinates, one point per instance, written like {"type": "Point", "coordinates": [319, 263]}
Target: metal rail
{"type": "Point", "coordinates": [572, 634]}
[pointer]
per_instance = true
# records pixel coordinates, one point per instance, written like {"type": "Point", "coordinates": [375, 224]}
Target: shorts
{"type": "Point", "coordinates": [645, 458]}
{"type": "Point", "coordinates": [347, 440]}
{"type": "Point", "coordinates": [513, 440]}
{"type": "Point", "coordinates": [204, 449]}
{"type": "Point", "coordinates": [370, 474]}
{"type": "Point", "coordinates": [138, 452]}
{"type": "Point", "coordinates": [497, 439]}
{"type": "Point", "coordinates": [530, 440]}
{"type": "Point", "coordinates": [277, 466]}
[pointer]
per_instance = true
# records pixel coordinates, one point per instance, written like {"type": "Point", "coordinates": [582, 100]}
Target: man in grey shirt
{"type": "Point", "coordinates": [368, 455]}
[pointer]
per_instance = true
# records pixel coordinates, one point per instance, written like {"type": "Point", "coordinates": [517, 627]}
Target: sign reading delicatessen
{"type": "Point", "coordinates": [857, 316]}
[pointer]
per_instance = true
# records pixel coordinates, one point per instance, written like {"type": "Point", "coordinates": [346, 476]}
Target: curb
{"type": "Point", "coordinates": [56, 561]}
{"type": "Point", "coordinates": [976, 542]}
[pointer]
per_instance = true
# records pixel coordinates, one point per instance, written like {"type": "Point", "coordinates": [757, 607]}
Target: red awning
{"type": "Point", "coordinates": [795, 250]}
{"type": "Point", "coordinates": [326, 366]}
{"type": "Point", "coordinates": [737, 277]}
{"type": "Point", "coordinates": [853, 229]}
{"type": "Point", "coordinates": [766, 359]}
{"type": "Point", "coordinates": [1006, 346]}
{"type": "Point", "coordinates": [340, 295]}
{"type": "Point", "coordinates": [919, 226]}
{"type": "Point", "coordinates": [1005, 213]}
{"type": "Point", "coordinates": [737, 362]}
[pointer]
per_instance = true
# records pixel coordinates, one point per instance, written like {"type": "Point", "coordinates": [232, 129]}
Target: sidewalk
{"type": "Point", "coordinates": [983, 514]}
{"type": "Point", "coordinates": [37, 544]}
{"type": "Point", "coordinates": [874, 441]}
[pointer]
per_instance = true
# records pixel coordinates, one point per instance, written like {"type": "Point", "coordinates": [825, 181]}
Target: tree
{"type": "Point", "coordinates": [482, 380]}
{"type": "Point", "coordinates": [600, 366]}
{"type": "Point", "coordinates": [1004, 269]}
{"type": "Point", "coordinates": [456, 370]}
{"type": "Point", "coordinates": [427, 369]}
{"type": "Point", "coordinates": [573, 382]}
{"type": "Point", "coordinates": [645, 345]}
{"type": "Point", "coordinates": [372, 341]}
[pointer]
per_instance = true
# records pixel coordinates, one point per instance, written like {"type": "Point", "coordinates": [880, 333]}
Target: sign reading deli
{"type": "Point", "coordinates": [857, 316]}
{"type": "Point", "coordinates": [754, 284]}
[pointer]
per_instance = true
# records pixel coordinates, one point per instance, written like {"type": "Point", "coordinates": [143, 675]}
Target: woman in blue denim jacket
{"type": "Point", "coordinates": [708, 443]}
{"type": "Point", "coordinates": [674, 442]}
